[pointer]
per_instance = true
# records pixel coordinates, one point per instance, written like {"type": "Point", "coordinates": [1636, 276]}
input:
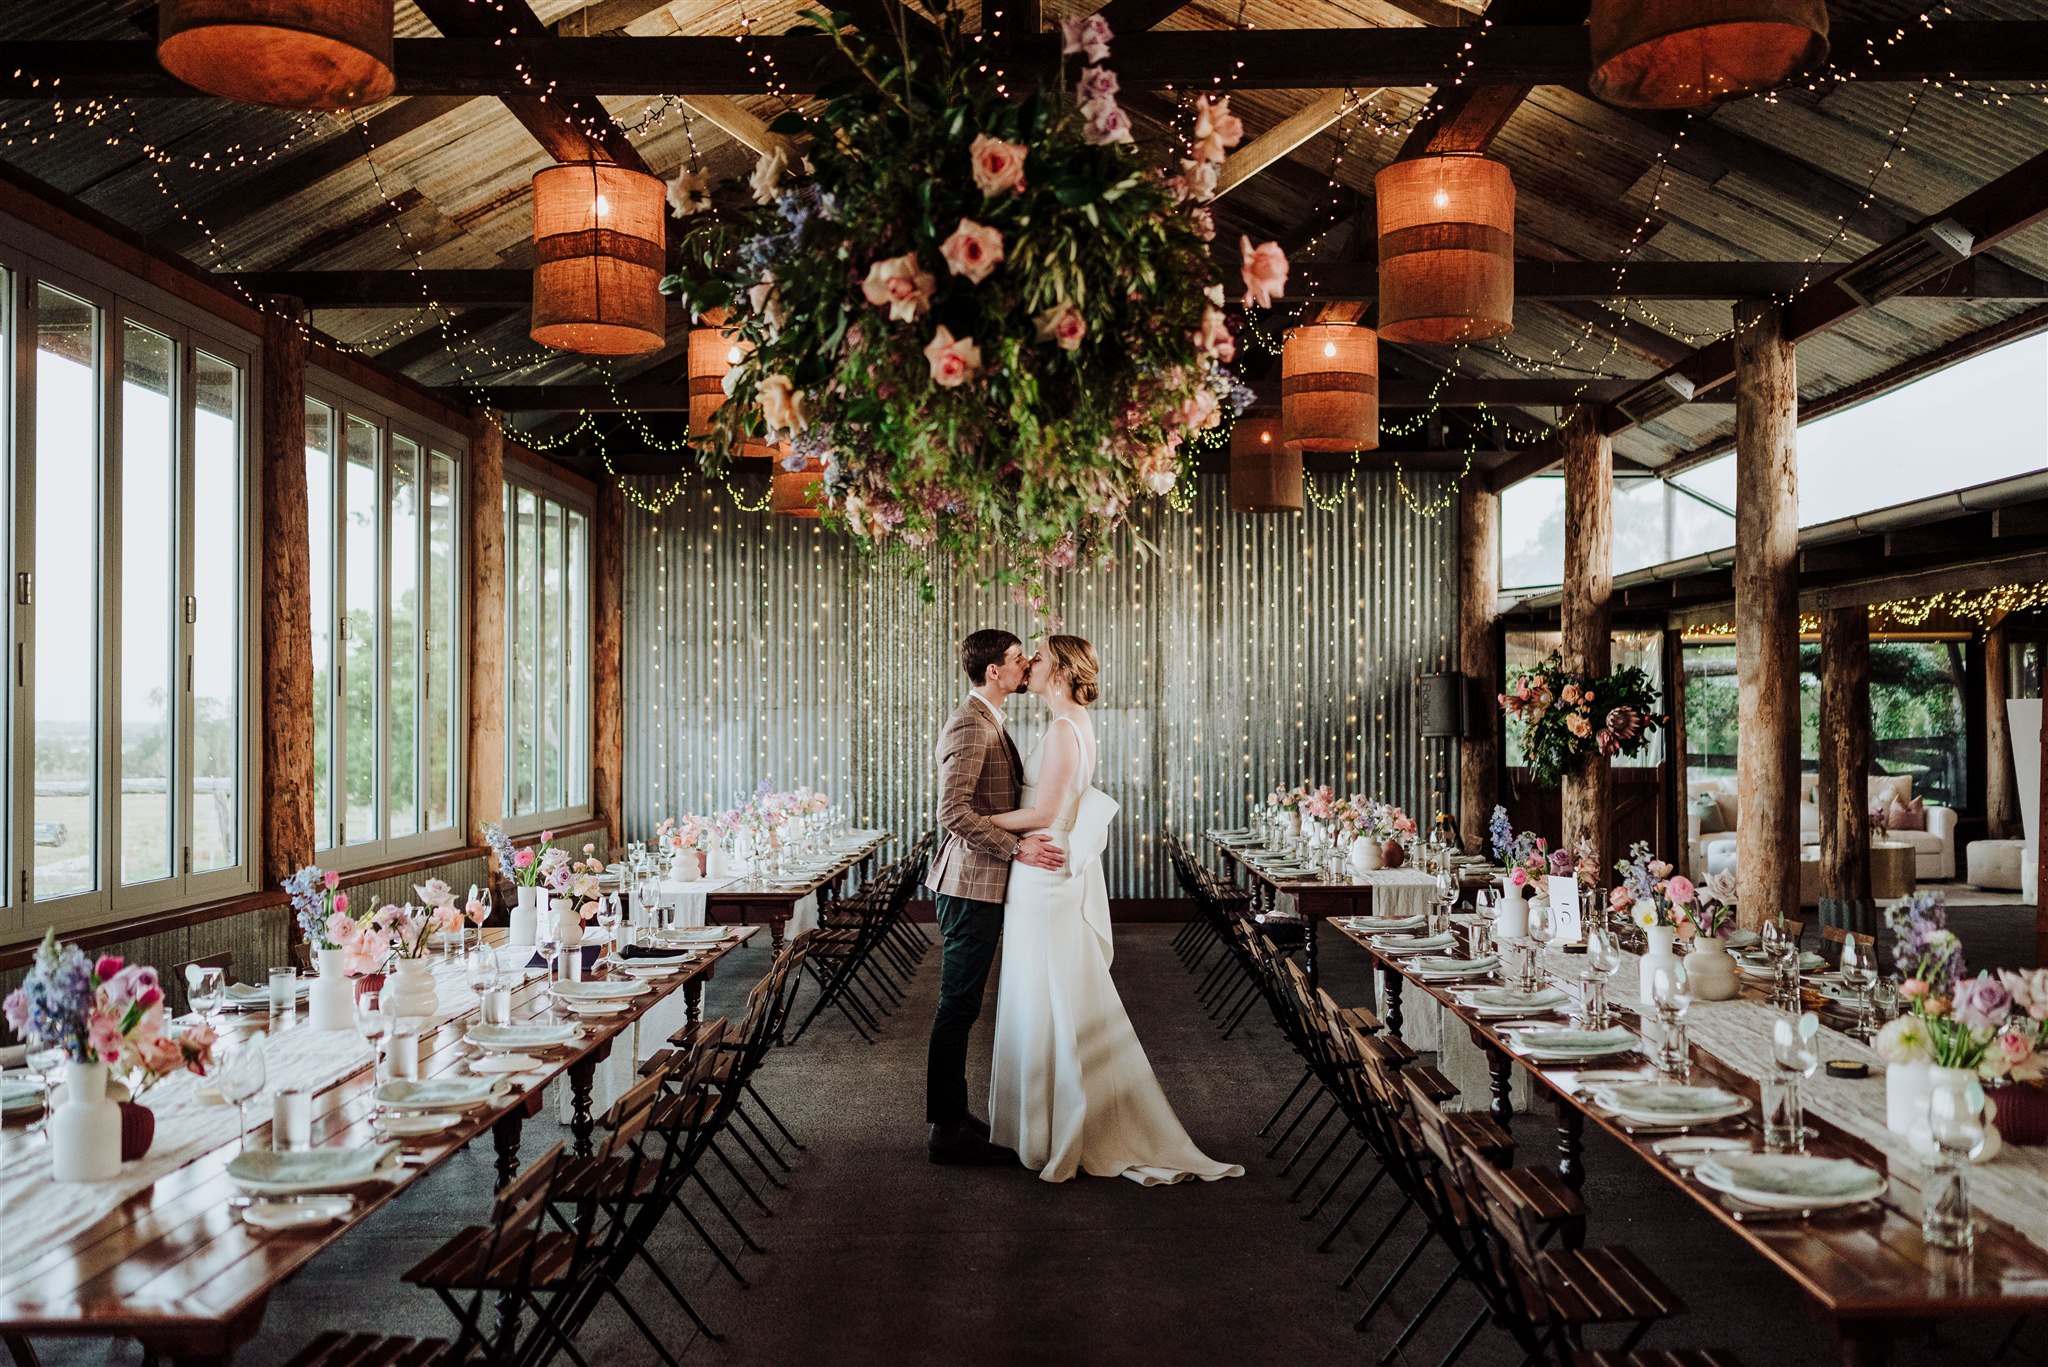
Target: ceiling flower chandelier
{"type": "Point", "coordinates": [985, 319]}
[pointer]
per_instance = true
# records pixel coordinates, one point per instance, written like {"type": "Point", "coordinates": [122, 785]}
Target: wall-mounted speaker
{"type": "Point", "coordinates": [1440, 704]}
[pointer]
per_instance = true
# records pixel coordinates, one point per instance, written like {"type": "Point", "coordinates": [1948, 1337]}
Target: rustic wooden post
{"type": "Point", "coordinates": [1478, 658]}
{"type": "Point", "coordinates": [1584, 611]}
{"type": "Point", "coordinates": [486, 624]}
{"type": "Point", "coordinates": [607, 662]}
{"type": "Point", "coordinates": [2001, 783]}
{"type": "Point", "coordinates": [1845, 743]}
{"type": "Point", "coordinates": [286, 593]}
{"type": "Point", "coordinates": [1766, 616]}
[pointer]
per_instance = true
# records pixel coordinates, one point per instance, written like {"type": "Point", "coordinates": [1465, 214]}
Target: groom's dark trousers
{"type": "Point", "coordinates": [971, 931]}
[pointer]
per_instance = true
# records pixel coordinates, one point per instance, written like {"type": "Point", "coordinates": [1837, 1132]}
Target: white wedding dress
{"type": "Point", "coordinates": [1071, 1089]}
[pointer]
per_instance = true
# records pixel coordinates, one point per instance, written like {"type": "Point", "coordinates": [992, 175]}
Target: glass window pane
{"type": "Point", "coordinates": [523, 588]}
{"type": "Point", "coordinates": [320, 525]}
{"type": "Point", "coordinates": [217, 622]}
{"type": "Point", "coordinates": [1532, 533]}
{"type": "Point", "coordinates": [147, 671]}
{"type": "Point", "coordinates": [441, 653]}
{"type": "Point", "coordinates": [403, 665]}
{"type": "Point", "coordinates": [360, 549]}
{"type": "Point", "coordinates": [551, 656]}
{"type": "Point", "coordinates": [576, 749]}
{"type": "Point", "coordinates": [67, 587]}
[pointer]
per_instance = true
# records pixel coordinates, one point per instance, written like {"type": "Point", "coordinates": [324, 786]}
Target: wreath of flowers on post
{"type": "Point", "coordinates": [1568, 718]}
{"type": "Point", "coordinates": [987, 316]}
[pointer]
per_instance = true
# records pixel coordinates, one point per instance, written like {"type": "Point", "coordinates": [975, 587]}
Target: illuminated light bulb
{"type": "Point", "coordinates": [1329, 348]}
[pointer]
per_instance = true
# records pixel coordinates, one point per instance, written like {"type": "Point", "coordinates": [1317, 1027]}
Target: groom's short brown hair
{"type": "Point", "coordinates": [984, 648]}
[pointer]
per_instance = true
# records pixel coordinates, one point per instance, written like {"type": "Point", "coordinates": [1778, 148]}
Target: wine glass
{"type": "Point", "coordinates": [205, 986]}
{"type": "Point", "coordinates": [42, 1065]}
{"type": "Point", "coordinates": [550, 947]}
{"type": "Point", "coordinates": [1671, 994]}
{"type": "Point", "coordinates": [1794, 1058]}
{"type": "Point", "coordinates": [608, 919]}
{"type": "Point", "coordinates": [371, 1024]}
{"type": "Point", "coordinates": [1955, 1124]}
{"type": "Point", "coordinates": [1859, 974]}
{"type": "Point", "coordinates": [1603, 958]}
{"type": "Point", "coordinates": [241, 1081]}
{"type": "Point", "coordinates": [1539, 931]}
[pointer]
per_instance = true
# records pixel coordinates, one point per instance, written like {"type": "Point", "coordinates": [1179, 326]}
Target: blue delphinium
{"type": "Point", "coordinates": [1502, 834]}
{"type": "Point", "coordinates": [53, 1007]}
{"type": "Point", "coordinates": [501, 852]}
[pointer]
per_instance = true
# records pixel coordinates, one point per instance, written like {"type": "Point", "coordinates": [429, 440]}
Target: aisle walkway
{"type": "Point", "coordinates": [878, 1259]}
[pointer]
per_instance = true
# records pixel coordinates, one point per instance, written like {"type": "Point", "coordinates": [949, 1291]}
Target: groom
{"type": "Point", "coordinates": [980, 776]}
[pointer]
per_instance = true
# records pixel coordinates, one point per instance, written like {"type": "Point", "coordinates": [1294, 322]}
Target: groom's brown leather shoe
{"type": "Point", "coordinates": [960, 1146]}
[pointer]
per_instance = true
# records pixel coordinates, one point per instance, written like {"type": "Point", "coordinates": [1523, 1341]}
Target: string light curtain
{"type": "Point", "coordinates": [1687, 54]}
{"type": "Point", "coordinates": [1238, 653]}
{"type": "Point", "coordinates": [599, 245]}
{"type": "Point", "coordinates": [298, 54]}
{"type": "Point", "coordinates": [1330, 388]}
{"type": "Point", "coordinates": [1265, 472]}
{"type": "Point", "coordinates": [1447, 249]}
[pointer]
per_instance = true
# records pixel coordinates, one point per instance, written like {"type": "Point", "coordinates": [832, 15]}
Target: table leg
{"type": "Point", "coordinates": [1501, 1070]}
{"type": "Point", "coordinates": [1391, 984]}
{"type": "Point", "coordinates": [582, 1074]}
{"type": "Point", "coordinates": [505, 1135]}
{"type": "Point", "coordinates": [693, 1000]}
{"type": "Point", "coordinates": [23, 1351]}
{"type": "Point", "coordinates": [775, 929]}
{"type": "Point", "coordinates": [1571, 1150]}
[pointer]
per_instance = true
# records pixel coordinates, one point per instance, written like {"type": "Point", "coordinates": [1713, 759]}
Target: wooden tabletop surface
{"type": "Point", "coordinates": [1867, 1271]}
{"type": "Point", "coordinates": [176, 1266]}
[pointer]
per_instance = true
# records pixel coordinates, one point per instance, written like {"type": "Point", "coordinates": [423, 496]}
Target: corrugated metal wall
{"type": "Point", "coordinates": [1238, 652]}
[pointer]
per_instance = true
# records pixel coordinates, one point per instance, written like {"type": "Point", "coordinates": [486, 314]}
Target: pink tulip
{"type": "Point", "coordinates": [332, 880]}
{"type": "Point", "coordinates": [341, 901]}
{"type": "Point", "coordinates": [107, 967]}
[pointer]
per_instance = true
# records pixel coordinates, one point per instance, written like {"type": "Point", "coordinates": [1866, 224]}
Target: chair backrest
{"type": "Point", "coordinates": [1838, 935]}
{"type": "Point", "coordinates": [1515, 1231]}
{"type": "Point", "coordinates": [1795, 929]}
{"type": "Point", "coordinates": [183, 974]}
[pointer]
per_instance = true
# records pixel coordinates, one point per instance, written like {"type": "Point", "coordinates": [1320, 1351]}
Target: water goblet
{"type": "Point", "coordinates": [1955, 1124]}
{"type": "Point", "coordinates": [42, 1065]}
{"type": "Point", "coordinates": [550, 949]}
{"type": "Point", "coordinates": [1884, 1001]}
{"type": "Point", "coordinates": [608, 920]}
{"type": "Point", "coordinates": [241, 1081]}
{"type": "Point", "coordinates": [1794, 1057]}
{"type": "Point", "coordinates": [371, 1024]}
{"type": "Point", "coordinates": [1859, 974]}
{"type": "Point", "coordinates": [1539, 932]}
{"type": "Point", "coordinates": [1603, 957]}
{"type": "Point", "coordinates": [205, 987]}
{"type": "Point", "coordinates": [1671, 994]}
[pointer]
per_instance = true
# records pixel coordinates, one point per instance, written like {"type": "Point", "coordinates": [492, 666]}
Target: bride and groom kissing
{"type": "Point", "coordinates": [1019, 866]}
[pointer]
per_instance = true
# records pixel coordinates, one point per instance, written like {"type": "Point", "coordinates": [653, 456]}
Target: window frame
{"type": "Point", "coordinates": [348, 400]}
{"type": "Point", "coordinates": [521, 476]}
{"type": "Point", "coordinates": [29, 258]}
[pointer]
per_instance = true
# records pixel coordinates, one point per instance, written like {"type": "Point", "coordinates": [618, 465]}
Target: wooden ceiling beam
{"type": "Point", "coordinates": [1285, 136]}
{"type": "Point", "coordinates": [1256, 59]}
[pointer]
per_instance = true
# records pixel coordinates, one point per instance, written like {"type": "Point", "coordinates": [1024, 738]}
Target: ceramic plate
{"type": "Point", "coordinates": [1654, 1103]}
{"type": "Point", "coordinates": [1688, 1149]}
{"type": "Point", "coordinates": [545, 1035]}
{"type": "Point", "coordinates": [598, 1008]}
{"type": "Point", "coordinates": [267, 1172]}
{"type": "Point", "coordinates": [1413, 944]}
{"type": "Point", "coordinates": [1379, 923]}
{"type": "Point", "coordinates": [1515, 1000]}
{"type": "Point", "coordinates": [20, 1094]}
{"type": "Point", "coordinates": [304, 1214]}
{"type": "Point", "coordinates": [416, 1124]}
{"type": "Point", "coordinates": [1790, 1181]}
{"type": "Point", "coordinates": [493, 1065]}
{"type": "Point", "coordinates": [695, 935]}
{"type": "Point", "coordinates": [600, 991]}
{"type": "Point", "coordinates": [439, 1094]}
{"type": "Point", "coordinates": [1557, 1045]}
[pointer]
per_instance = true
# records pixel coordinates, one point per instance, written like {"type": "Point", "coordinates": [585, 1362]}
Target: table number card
{"type": "Point", "coordinates": [1567, 926]}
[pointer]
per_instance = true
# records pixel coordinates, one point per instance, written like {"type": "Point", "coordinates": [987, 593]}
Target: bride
{"type": "Point", "coordinates": [1071, 1089]}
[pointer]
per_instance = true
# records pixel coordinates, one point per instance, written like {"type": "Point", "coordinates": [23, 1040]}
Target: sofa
{"type": "Point", "coordinates": [1710, 802]}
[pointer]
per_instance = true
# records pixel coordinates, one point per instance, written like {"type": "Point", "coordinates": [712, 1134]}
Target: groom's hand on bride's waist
{"type": "Point", "coordinates": [1040, 852]}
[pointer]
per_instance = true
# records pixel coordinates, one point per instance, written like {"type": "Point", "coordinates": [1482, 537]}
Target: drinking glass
{"type": "Point", "coordinates": [550, 949]}
{"type": "Point", "coordinates": [1539, 935]}
{"type": "Point", "coordinates": [284, 991]}
{"type": "Point", "coordinates": [1795, 1058]}
{"type": "Point", "coordinates": [42, 1065]}
{"type": "Point", "coordinates": [482, 965]}
{"type": "Point", "coordinates": [1783, 1121]}
{"type": "Point", "coordinates": [204, 988]}
{"type": "Point", "coordinates": [1954, 1123]}
{"type": "Point", "coordinates": [1859, 975]}
{"type": "Point", "coordinates": [1671, 994]}
{"type": "Point", "coordinates": [1785, 974]}
{"type": "Point", "coordinates": [371, 1025]}
{"type": "Point", "coordinates": [1884, 1001]}
{"type": "Point", "coordinates": [608, 919]}
{"type": "Point", "coordinates": [1603, 957]}
{"type": "Point", "coordinates": [241, 1081]}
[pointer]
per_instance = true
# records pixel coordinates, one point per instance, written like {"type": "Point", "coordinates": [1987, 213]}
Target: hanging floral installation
{"type": "Point", "coordinates": [985, 314]}
{"type": "Point", "coordinates": [1568, 718]}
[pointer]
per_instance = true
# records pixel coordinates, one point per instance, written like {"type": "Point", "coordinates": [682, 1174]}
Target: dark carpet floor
{"type": "Point", "coordinates": [877, 1259]}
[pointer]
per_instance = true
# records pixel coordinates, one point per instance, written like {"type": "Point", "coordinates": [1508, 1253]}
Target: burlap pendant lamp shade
{"type": "Point", "coordinates": [599, 245]}
{"type": "Point", "coordinates": [1447, 249]}
{"type": "Point", "coordinates": [1265, 472]}
{"type": "Point", "coordinates": [1687, 54]}
{"type": "Point", "coordinates": [711, 354]}
{"type": "Point", "coordinates": [798, 493]}
{"type": "Point", "coordinates": [295, 54]}
{"type": "Point", "coordinates": [1330, 388]}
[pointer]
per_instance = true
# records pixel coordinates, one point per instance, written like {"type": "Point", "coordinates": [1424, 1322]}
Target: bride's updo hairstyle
{"type": "Point", "coordinates": [1077, 657]}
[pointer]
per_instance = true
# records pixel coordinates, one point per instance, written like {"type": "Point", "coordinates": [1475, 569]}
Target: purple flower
{"type": "Point", "coordinates": [1982, 1003]}
{"type": "Point", "coordinates": [1561, 864]}
{"type": "Point", "coordinates": [1502, 835]}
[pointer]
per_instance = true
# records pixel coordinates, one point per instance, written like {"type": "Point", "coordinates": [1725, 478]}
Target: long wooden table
{"type": "Point", "coordinates": [1317, 899]}
{"type": "Point", "coordinates": [176, 1267]}
{"type": "Point", "coordinates": [753, 901]}
{"type": "Point", "coordinates": [1872, 1274]}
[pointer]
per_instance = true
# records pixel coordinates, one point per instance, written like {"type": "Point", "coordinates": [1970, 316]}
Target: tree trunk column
{"type": "Point", "coordinates": [1478, 658]}
{"type": "Point", "coordinates": [286, 594]}
{"type": "Point", "coordinates": [1584, 609]}
{"type": "Point", "coordinates": [2001, 782]}
{"type": "Point", "coordinates": [487, 703]}
{"type": "Point", "coordinates": [608, 660]}
{"type": "Point", "coordinates": [1766, 616]}
{"type": "Point", "coordinates": [1845, 742]}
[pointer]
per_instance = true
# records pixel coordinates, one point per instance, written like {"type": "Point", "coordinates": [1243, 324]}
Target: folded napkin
{"type": "Point", "coordinates": [677, 952]}
{"type": "Point", "coordinates": [1443, 941]}
{"type": "Point", "coordinates": [1656, 1098]}
{"type": "Point", "coordinates": [1514, 999]}
{"type": "Point", "coordinates": [1438, 963]}
{"type": "Point", "coordinates": [1561, 1040]}
{"type": "Point", "coordinates": [1793, 1175]}
{"type": "Point", "coordinates": [293, 1166]}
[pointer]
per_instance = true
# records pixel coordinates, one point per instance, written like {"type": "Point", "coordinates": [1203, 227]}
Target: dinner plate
{"type": "Point", "coordinates": [1562, 1045]}
{"type": "Point", "coordinates": [495, 1065]}
{"type": "Point", "coordinates": [1658, 1103]}
{"type": "Point", "coordinates": [695, 935]}
{"type": "Point", "coordinates": [655, 968]}
{"type": "Point", "coordinates": [306, 1213]}
{"type": "Point", "coordinates": [540, 1035]}
{"type": "Point", "coordinates": [413, 1124]}
{"type": "Point", "coordinates": [610, 990]}
{"type": "Point", "coordinates": [1376, 924]}
{"type": "Point", "coordinates": [1689, 1149]}
{"type": "Point", "coordinates": [1413, 944]}
{"type": "Point", "coordinates": [1809, 962]}
{"type": "Point", "coordinates": [598, 1008]}
{"type": "Point", "coordinates": [19, 1095]}
{"type": "Point", "coordinates": [299, 1172]}
{"type": "Point", "coordinates": [1513, 1001]}
{"type": "Point", "coordinates": [1790, 1181]}
{"type": "Point", "coordinates": [440, 1094]}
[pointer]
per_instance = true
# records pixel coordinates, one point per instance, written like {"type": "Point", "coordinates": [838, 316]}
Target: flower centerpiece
{"type": "Point", "coordinates": [974, 305]}
{"type": "Point", "coordinates": [101, 1014]}
{"type": "Point", "coordinates": [1664, 903]}
{"type": "Point", "coordinates": [1568, 718]}
{"type": "Point", "coordinates": [323, 916]}
{"type": "Point", "coordinates": [1953, 1020]}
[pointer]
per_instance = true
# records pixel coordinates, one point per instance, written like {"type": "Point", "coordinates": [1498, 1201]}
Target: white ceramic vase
{"type": "Point", "coordinates": [568, 925]}
{"type": "Point", "coordinates": [1906, 1089]}
{"type": "Point", "coordinates": [1368, 854]}
{"type": "Point", "coordinates": [85, 1132]}
{"type": "Point", "coordinates": [1294, 822]}
{"type": "Point", "coordinates": [330, 1001]}
{"type": "Point", "coordinates": [409, 990]}
{"type": "Point", "coordinates": [1511, 914]}
{"type": "Point", "coordinates": [1710, 971]}
{"type": "Point", "coordinates": [1659, 955]}
{"type": "Point", "coordinates": [682, 866]}
{"type": "Point", "coordinates": [526, 917]}
{"type": "Point", "coordinates": [1356, 855]}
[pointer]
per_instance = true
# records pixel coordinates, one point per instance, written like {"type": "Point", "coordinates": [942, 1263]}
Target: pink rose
{"type": "Point", "coordinates": [332, 880]}
{"type": "Point", "coordinates": [1216, 128]}
{"type": "Point", "coordinates": [340, 930]}
{"type": "Point", "coordinates": [1089, 36]}
{"type": "Point", "coordinates": [972, 250]}
{"type": "Point", "coordinates": [783, 406]}
{"type": "Point", "coordinates": [2015, 1047]}
{"type": "Point", "coordinates": [900, 285]}
{"type": "Point", "coordinates": [523, 859]}
{"type": "Point", "coordinates": [954, 361]}
{"type": "Point", "coordinates": [1265, 273]}
{"type": "Point", "coordinates": [1518, 878]}
{"type": "Point", "coordinates": [447, 918]}
{"type": "Point", "coordinates": [999, 165]}
{"type": "Point", "coordinates": [1680, 890]}
{"type": "Point", "coordinates": [1062, 323]}
{"type": "Point", "coordinates": [1107, 123]}
{"type": "Point", "coordinates": [1097, 84]}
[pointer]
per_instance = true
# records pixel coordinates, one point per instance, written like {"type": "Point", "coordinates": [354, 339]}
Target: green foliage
{"type": "Point", "coordinates": [1568, 718]}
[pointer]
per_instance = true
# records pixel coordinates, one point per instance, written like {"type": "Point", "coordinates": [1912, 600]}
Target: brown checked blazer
{"type": "Point", "coordinates": [980, 775]}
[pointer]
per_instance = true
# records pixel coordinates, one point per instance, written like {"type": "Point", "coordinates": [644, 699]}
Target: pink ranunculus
{"type": "Point", "coordinates": [1265, 273]}
{"type": "Point", "coordinates": [332, 880]}
{"type": "Point", "coordinates": [1107, 124]}
{"type": "Point", "coordinates": [1089, 37]}
{"type": "Point", "coordinates": [107, 967]}
{"type": "Point", "coordinates": [1096, 85]}
{"type": "Point", "coordinates": [902, 285]}
{"type": "Point", "coordinates": [973, 250]}
{"type": "Point", "coordinates": [954, 361]}
{"type": "Point", "coordinates": [104, 1036]}
{"type": "Point", "coordinates": [1518, 877]}
{"type": "Point", "coordinates": [1062, 323]}
{"type": "Point", "coordinates": [999, 165]}
{"type": "Point", "coordinates": [1913, 988]}
{"type": "Point", "coordinates": [1680, 890]}
{"type": "Point", "coordinates": [341, 901]}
